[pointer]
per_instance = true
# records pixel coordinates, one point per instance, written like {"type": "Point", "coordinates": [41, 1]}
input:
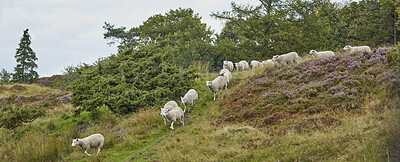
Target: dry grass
{"type": "Point", "coordinates": [31, 89]}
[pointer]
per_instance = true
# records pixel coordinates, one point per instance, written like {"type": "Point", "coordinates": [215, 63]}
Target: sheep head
{"type": "Point", "coordinates": [208, 83]}
{"type": "Point", "coordinates": [347, 47]}
{"type": "Point", "coordinates": [183, 100]}
{"type": "Point", "coordinates": [75, 142]}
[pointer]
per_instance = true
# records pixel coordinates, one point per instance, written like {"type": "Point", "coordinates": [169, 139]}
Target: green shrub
{"type": "Point", "coordinates": [11, 117]}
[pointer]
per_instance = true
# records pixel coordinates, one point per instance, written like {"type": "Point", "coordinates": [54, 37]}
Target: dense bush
{"type": "Point", "coordinates": [130, 81]}
{"type": "Point", "coordinates": [11, 117]}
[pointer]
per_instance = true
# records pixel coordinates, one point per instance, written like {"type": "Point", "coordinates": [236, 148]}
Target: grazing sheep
{"type": "Point", "coordinates": [357, 49]}
{"type": "Point", "coordinates": [228, 65]}
{"type": "Point", "coordinates": [92, 141]}
{"type": "Point", "coordinates": [227, 74]}
{"type": "Point", "coordinates": [286, 59]}
{"type": "Point", "coordinates": [190, 98]}
{"type": "Point", "coordinates": [169, 105]}
{"type": "Point", "coordinates": [255, 64]}
{"type": "Point", "coordinates": [173, 115]}
{"type": "Point", "coordinates": [217, 85]}
{"type": "Point", "coordinates": [242, 65]}
{"type": "Point", "coordinates": [321, 54]}
{"type": "Point", "coordinates": [267, 62]}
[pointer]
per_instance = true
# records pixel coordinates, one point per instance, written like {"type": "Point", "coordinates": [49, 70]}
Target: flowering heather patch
{"type": "Point", "coordinates": [336, 83]}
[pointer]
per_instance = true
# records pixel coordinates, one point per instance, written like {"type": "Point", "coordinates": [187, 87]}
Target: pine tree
{"type": "Point", "coordinates": [4, 76]}
{"type": "Point", "coordinates": [24, 71]}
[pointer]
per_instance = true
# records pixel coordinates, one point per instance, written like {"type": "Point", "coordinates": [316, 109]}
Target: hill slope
{"type": "Point", "coordinates": [340, 108]}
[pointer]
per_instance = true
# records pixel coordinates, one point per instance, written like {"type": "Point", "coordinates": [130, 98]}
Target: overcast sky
{"type": "Point", "coordinates": [69, 32]}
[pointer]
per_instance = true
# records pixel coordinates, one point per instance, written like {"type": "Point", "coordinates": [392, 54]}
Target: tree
{"type": "Point", "coordinates": [393, 8]}
{"type": "Point", "coordinates": [149, 69]}
{"type": "Point", "coordinates": [25, 69]}
{"type": "Point", "coordinates": [5, 76]}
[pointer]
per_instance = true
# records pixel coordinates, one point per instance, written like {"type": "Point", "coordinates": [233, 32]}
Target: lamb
{"type": "Point", "coordinates": [190, 98]}
{"type": "Point", "coordinates": [217, 85]}
{"type": "Point", "coordinates": [357, 49]}
{"type": "Point", "coordinates": [227, 74]}
{"type": "Point", "coordinates": [321, 54]}
{"type": "Point", "coordinates": [173, 114]}
{"type": "Point", "coordinates": [286, 59]}
{"type": "Point", "coordinates": [169, 105]}
{"type": "Point", "coordinates": [228, 65]}
{"type": "Point", "coordinates": [255, 64]}
{"type": "Point", "coordinates": [242, 66]}
{"type": "Point", "coordinates": [267, 62]}
{"type": "Point", "coordinates": [92, 141]}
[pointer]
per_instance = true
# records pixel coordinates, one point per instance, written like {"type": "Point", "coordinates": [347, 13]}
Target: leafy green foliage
{"type": "Point", "coordinates": [11, 117]}
{"type": "Point", "coordinates": [278, 27]}
{"type": "Point", "coordinates": [5, 76]}
{"type": "Point", "coordinates": [25, 69]}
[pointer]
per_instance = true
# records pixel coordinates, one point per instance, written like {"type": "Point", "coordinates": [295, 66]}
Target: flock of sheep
{"type": "Point", "coordinates": [172, 112]}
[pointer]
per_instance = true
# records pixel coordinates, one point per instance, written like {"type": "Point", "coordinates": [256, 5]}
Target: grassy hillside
{"type": "Point", "coordinates": [341, 108]}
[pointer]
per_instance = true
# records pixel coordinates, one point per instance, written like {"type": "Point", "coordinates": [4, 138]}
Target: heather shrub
{"type": "Point", "coordinates": [338, 83]}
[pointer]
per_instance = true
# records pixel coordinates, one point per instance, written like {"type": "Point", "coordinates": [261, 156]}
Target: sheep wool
{"type": "Point", "coordinates": [255, 64]}
{"type": "Point", "coordinates": [267, 62]}
{"type": "Point", "coordinates": [227, 74]}
{"type": "Point", "coordinates": [173, 115]}
{"type": "Point", "coordinates": [228, 65]}
{"type": "Point", "coordinates": [169, 105]}
{"type": "Point", "coordinates": [243, 65]}
{"type": "Point", "coordinates": [286, 59]}
{"type": "Point", "coordinates": [357, 49]}
{"type": "Point", "coordinates": [217, 85]}
{"type": "Point", "coordinates": [92, 141]}
{"type": "Point", "coordinates": [190, 98]}
{"type": "Point", "coordinates": [321, 54]}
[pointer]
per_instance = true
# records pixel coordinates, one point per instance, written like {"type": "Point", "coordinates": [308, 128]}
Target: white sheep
{"type": "Point", "coordinates": [226, 73]}
{"type": "Point", "coordinates": [286, 59]}
{"type": "Point", "coordinates": [255, 64]}
{"type": "Point", "coordinates": [228, 65]}
{"type": "Point", "coordinates": [173, 115]}
{"type": "Point", "coordinates": [92, 141]}
{"type": "Point", "coordinates": [217, 85]}
{"type": "Point", "coordinates": [169, 105]}
{"type": "Point", "coordinates": [190, 98]}
{"type": "Point", "coordinates": [267, 62]}
{"type": "Point", "coordinates": [237, 66]}
{"type": "Point", "coordinates": [321, 54]}
{"type": "Point", "coordinates": [242, 65]}
{"type": "Point", "coordinates": [357, 49]}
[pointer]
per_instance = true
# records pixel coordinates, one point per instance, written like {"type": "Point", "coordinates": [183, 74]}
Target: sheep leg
{"type": "Point", "coordinates": [172, 125]}
{"type": "Point", "coordinates": [185, 109]}
{"type": "Point", "coordinates": [98, 150]}
{"type": "Point", "coordinates": [164, 121]}
{"type": "Point", "coordinates": [87, 153]}
{"type": "Point", "coordinates": [183, 119]}
{"type": "Point", "coordinates": [214, 97]}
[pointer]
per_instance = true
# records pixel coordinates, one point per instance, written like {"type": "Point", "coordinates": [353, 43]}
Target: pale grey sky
{"type": "Point", "coordinates": [69, 32]}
